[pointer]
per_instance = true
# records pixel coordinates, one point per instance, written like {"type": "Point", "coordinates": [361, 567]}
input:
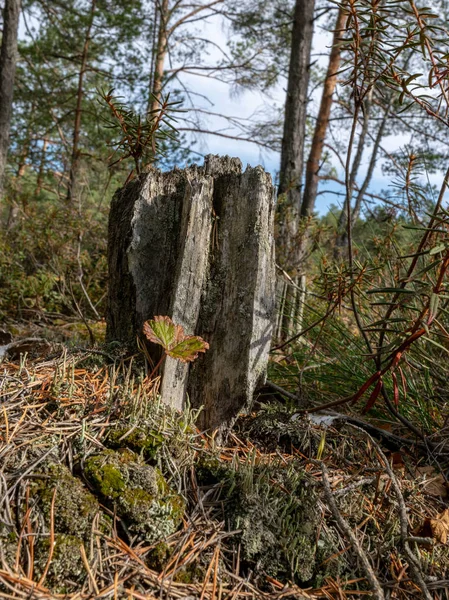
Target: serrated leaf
{"type": "Point", "coordinates": [187, 349]}
{"type": "Point", "coordinates": [162, 331]}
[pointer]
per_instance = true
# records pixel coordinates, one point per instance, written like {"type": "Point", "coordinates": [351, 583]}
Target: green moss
{"type": "Point", "coordinates": [275, 511]}
{"type": "Point", "coordinates": [143, 441]}
{"type": "Point", "coordinates": [158, 557]}
{"type": "Point", "coordinates": [191, 573]}
{"type": "Point", "coordinates": [12, 537]}
{"type": "Point", "coordinates": [138, 492]}
{"type": "Point", "coordinates": [177, 506]}
{"type": "Point", "coordinates": [106, 478]}
{"type": "Point", "coordinates": [332, 563]}
{"type": "Point", "coordinates": [211, 471]}
{"type": "Point", "coordinates": [8, 545]}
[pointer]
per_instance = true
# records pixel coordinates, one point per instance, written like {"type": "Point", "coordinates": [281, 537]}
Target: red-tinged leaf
{"type": "Point", "coordinates": [162, 331]}
{"type": "Point", "coordinates": [188, 349]}
{"type": "Point", "coordinates": [396, 359]}
{"type": "Point", "coordinates": [374, 395]}
{"type": "Point", "coordinates": [395, 389]}
{"type": "Point", "coordinates": [368, 383]}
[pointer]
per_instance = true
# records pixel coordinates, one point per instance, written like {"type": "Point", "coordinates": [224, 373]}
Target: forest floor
{"type": "Point", "coordinates": [291, 507]}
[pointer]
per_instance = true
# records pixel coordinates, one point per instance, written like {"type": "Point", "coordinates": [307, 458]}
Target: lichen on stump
{"type": "Point", "coordinates": [197, 245]}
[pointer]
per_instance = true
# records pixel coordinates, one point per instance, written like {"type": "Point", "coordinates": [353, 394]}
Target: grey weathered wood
{"type": "Point", "coordinates": [197, 245]}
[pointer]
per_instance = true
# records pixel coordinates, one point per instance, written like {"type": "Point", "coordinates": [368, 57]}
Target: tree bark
{"type": "Point", "coordinates": [74, 162]}
{"type": "Point", "coordinates": [8, 62]}
{"type": "Point", "coordinates": [322, 122]}
{"type": "Point", "coordinates": [292, 151]}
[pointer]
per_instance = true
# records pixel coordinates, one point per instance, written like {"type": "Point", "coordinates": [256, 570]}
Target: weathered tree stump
{"type": "Point", "coordinates": [197, 245]}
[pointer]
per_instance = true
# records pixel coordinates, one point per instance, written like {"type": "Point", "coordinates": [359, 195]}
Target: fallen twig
{"type": "Point", "coordinates": [344, 527]}
{"type": "Point", "coordinates": [413, 560]}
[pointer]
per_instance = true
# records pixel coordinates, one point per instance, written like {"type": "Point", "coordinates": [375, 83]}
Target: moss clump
{"type": "Point", "coordinates": [138, 492]}
{"type": "Point", "coordinates": [66, 571]}
{"type": "Point", "coordinates": [158, 557]}
{"type": "Point", "coordinates": [210, 471]}
{"type": "Point", "coordinates": [141, 440]}
{"type": "Point", "coordinates": [276, 512]}
{"type": "Point", "coordinates": [75, 507]}
{"type": "Point", "coordinates": [105, 476]}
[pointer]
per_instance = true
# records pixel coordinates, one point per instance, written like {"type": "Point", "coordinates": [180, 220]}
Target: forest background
{"type": "Point", "coordinates": [347, 105]}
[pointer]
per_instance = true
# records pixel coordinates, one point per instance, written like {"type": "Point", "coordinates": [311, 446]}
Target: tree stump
{"type": "Point", "coordinates": [197, 245]}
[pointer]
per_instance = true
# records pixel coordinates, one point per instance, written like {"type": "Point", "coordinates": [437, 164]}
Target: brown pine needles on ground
{"type": "Point", "coordinates": [62, 408]}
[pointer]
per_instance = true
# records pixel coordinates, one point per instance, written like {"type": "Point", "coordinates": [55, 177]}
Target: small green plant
{"type": "Point", "coordinates": [139, 136]}
{"type": "Point", "coordinates": [174, 341]}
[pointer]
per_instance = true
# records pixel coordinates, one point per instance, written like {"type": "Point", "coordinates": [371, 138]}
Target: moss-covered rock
{"type": "Point", "coordinates": [74, 506]}
{"type": "Point", "coordinates": [138, 492]}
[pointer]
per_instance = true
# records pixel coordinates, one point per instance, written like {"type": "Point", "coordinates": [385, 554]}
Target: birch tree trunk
{"type": "Point", "coordinates": [8, 61]}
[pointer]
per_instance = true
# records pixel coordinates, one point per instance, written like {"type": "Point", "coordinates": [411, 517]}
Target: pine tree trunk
{"type": "Point", "coordinates": [292, 151]}
{"type": "Point", "coordinates": [8, 61]}
{"type": "Point", "coordinates": [161, 53]}
{"type": "Point", "coordinates": [322, 122]}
